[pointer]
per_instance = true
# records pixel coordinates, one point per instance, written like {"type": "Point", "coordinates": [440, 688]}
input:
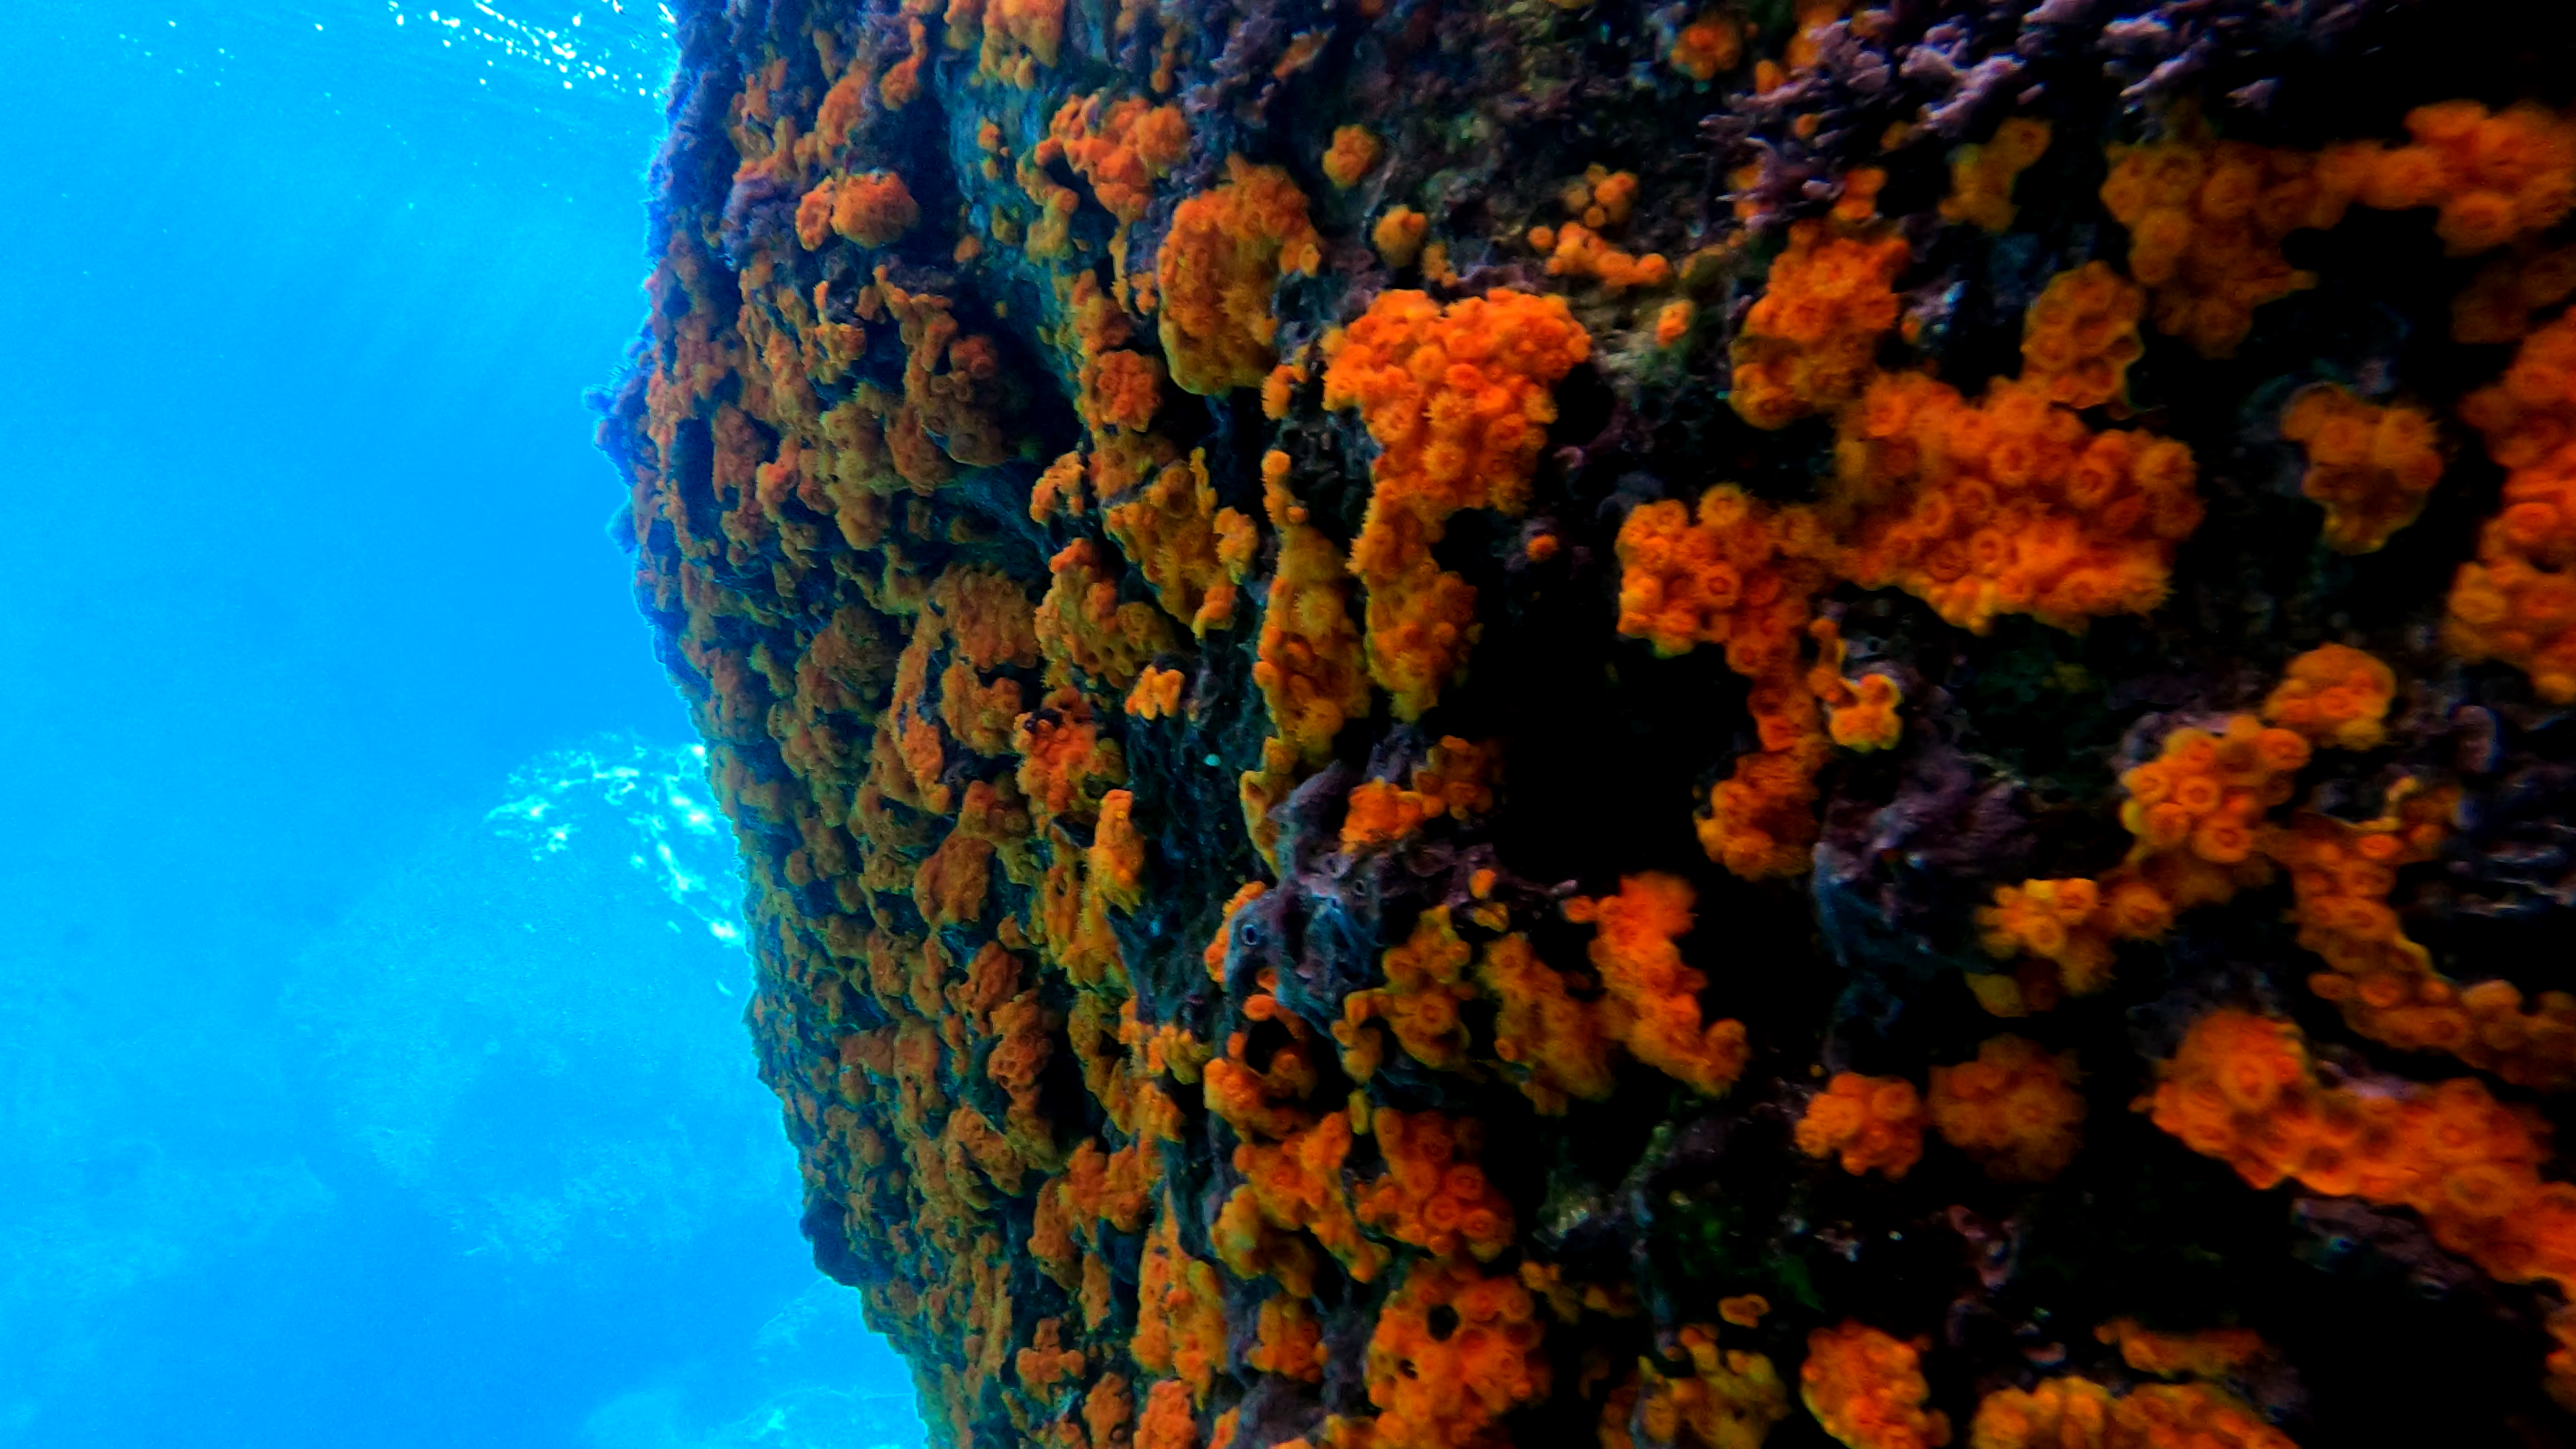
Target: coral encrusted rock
{"type": "Point", "coordinates": [1462, 723]}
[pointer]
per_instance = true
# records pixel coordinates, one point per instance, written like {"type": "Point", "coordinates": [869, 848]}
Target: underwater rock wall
{"type": "Point", "coordinates": [1480, 723]}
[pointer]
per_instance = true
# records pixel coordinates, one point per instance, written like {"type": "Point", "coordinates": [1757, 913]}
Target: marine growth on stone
{"type": "Point", "coordinates": [1463, 723]}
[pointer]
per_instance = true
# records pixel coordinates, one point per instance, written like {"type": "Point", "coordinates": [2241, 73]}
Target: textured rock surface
{"type": "Point", "coordinates": [1461, 724]}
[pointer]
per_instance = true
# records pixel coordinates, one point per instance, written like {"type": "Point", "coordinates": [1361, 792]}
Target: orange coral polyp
{"type": "Point", "coordinates": [2516, 601]}
{"type": "Point", "coordinates": [2371, 467]}
{"type": "Point", "coordinates": [2206, 220]}
{"type": "Point", "coordinates": [2498, 306]}
{"type": "Point", "coordinates": [2080, 335]}
{"type": "Point", "coordinates": [1018, 36]}
{"type": "Point", "coordinates": [1729, 1400]}
{"type": "Point", "coordinates": [1398, 236]}
{"type": "Point", "coordinates": [2206, 791]}
{"type": "Point", "coordinates": [1982, 176]}
{"type": "Point", "coordinates": [1809, 343]}
{"type": "Point", "coordinates": [1866, 1388]}
{"type": "Point", "coordinates": [1176, 535]}
{"type": "Point", "coordinates": [2241, 1088]}
{"type": "Point", "coordinates": [2007, 505]}
{"type": "Point", "coordinates": [1122, 389]}
{"type": "Point", "coordinates": [2069, 1412]}
{"type": "Point", "coordinates": [2495, 176]}
{"type": "Point", "coordinates": [1707, 48]}
{"type": "Point", "coordinates": [1655, 994]}
{"type": "Point", "coordinates": [2334, 695]}
{"type": "Point", "coordinates": [1458, 399]}
{"type": "Point", "coordinates": [2014, 1109]}
{"type": "Point", "coordinates": [2341, 875]}
{"type": "Point", "coordinates": [1436, 1389]}
{"type": "Point", "coordinates": [1743, 575]}
{"type": "Point", "coordinates": [1380, 811]}
{"type": "Point", "coordinates": [1353, 154]}
{"type": "Point", "coordinates": [1309, 665]}
{"type": "Point", "coordinates": [1167, 1422]}
{"type": "Point", "coordinates": [1295, 1186]}
{"type": "Point", "coordinates": [1738, 574]}
{"type": "Point", "coordinates": [1425, 987]}
{"type": "Point", "coordinates": [2196, 817]}
{"type": "Point", "coordinates": [1122, 148]}
{"type": "Point", "coordinates": [1555, 1045]}
{"type": "Point", "coordinates": [1578, 251]}
{"type": "Point", "coordinates": [1290, 1342]}
{"type": "Point", "coordinates": [1180, 1323]}
{"type": "Point", "coordinates": [873, 209]}
{"type": "Point", "coordinates": [1866, 1123]}
{"type": "Point", "coordinates": [1227, 250]}
{"type": "Point", "coordinates": [1673, 323]}
{"type": "Point", "coordinates": [1432, 1195]}
{"type": "Point", "coordinates": [2210, 1353]}
{"type": "Point", "coordinates": [1860, 714]}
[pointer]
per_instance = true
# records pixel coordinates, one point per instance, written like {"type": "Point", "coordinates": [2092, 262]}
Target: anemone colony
{"type": "Point", "coordinates": [1462, 724]}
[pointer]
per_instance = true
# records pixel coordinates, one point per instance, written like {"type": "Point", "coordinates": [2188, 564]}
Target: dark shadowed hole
{"type": "Point", "coordinates": [1263, 1042]}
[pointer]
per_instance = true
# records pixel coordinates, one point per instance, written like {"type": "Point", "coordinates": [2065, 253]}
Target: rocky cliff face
{"type": "Point", "coordinates": [1462, 724]}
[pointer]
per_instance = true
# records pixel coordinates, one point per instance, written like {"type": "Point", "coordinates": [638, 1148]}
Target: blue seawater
{"type": "Point", "coordinates": [371, 1061]}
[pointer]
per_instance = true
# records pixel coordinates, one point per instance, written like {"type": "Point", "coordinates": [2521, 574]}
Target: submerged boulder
{"type": "Point", "coordinates": [1548, 722]}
